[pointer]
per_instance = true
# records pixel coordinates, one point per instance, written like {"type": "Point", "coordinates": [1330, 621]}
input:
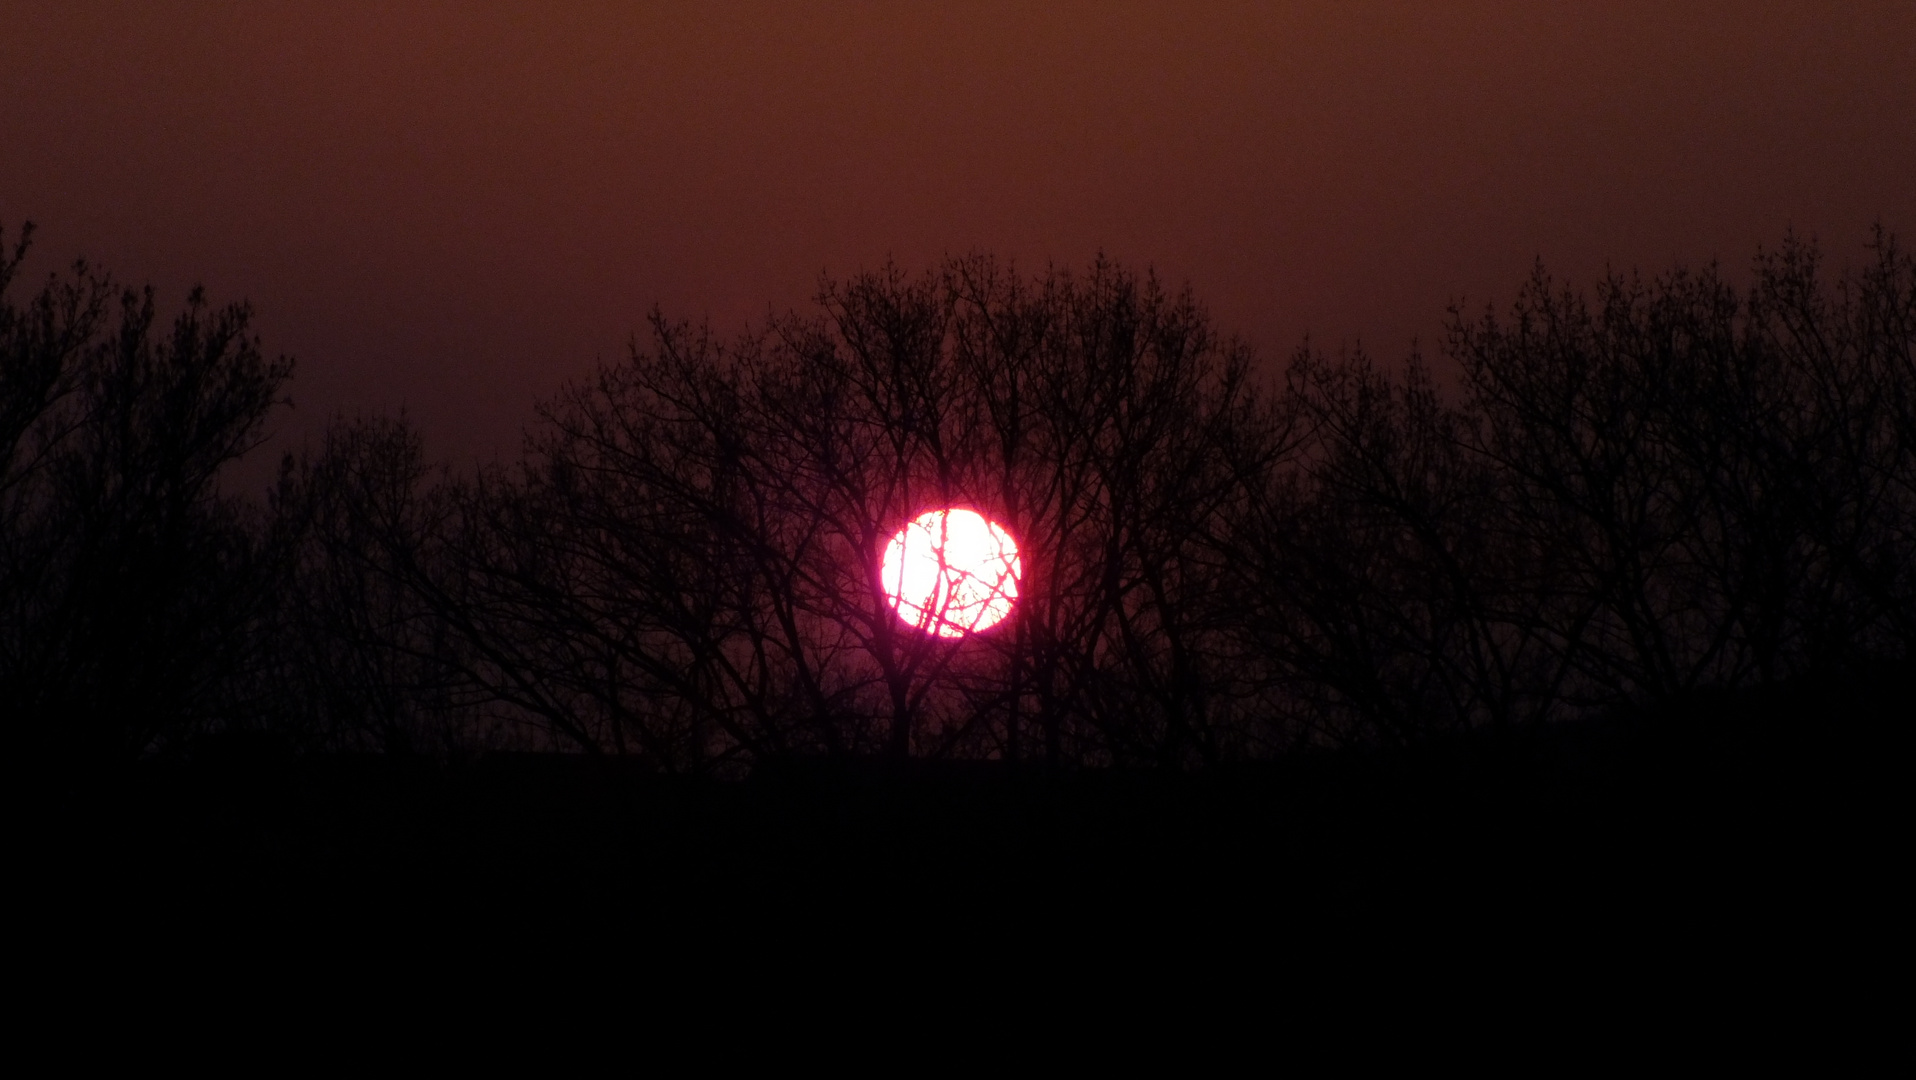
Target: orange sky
{"type": "Point", "coordinates": [459, 206]}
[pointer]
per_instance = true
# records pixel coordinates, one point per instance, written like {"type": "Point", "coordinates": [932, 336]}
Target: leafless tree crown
{"type": "Point", "coordinates": [1632, 493]}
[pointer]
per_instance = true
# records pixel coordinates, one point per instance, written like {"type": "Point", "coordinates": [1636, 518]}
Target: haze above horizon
{"type": "Point", "coordinates": [458, 209]}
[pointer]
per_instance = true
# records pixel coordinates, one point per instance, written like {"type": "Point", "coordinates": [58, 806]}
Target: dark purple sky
{"type": "Point", "coordinates": [459, 206]}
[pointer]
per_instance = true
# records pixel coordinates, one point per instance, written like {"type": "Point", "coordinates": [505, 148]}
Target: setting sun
{"type": "Point", "coordinates": [951, 572]}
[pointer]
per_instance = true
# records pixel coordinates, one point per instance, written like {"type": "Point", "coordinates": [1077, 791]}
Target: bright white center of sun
{"type": "Point", "coordinates": [951, 572]}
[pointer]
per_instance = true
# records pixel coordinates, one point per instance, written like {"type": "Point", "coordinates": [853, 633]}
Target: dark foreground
{"type": "Point", "coordinates": [1735, 816]}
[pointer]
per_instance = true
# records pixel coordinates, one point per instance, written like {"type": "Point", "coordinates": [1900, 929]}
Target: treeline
{"type": "Point", "coordinates": [1664, 485]}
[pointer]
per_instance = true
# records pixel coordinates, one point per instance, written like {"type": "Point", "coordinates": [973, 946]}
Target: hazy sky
{"type": "Point", "coordinates": [458, 207]}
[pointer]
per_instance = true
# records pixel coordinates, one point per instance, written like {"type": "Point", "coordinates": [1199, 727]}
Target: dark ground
{"type": "Point", "coordinates": [1740, 820]}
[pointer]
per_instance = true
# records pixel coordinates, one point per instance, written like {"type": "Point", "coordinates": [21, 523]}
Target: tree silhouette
{"type": "Point", "coordinates": [1718, 479]}
{"type": "Point", "coordinates": [688, 563]}
{"type": "Point", "coordinates": [1633, 494]}
{"type": "Point", "coordinates": [1671, 487]}
{"type": "Point", "coordinates": [361, 651]}
{"type": "Point", "coordinates": [127, 581]}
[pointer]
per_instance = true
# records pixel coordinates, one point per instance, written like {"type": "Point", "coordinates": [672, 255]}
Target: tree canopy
{"type": "Point", "coordinates": [1610, 496]}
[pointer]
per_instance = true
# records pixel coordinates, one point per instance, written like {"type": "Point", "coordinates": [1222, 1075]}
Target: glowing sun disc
{"type": "Point", "coordinates": [952, 572]}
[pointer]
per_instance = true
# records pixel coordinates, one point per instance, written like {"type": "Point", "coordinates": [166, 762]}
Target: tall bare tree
{"type": "Point", "coordinates": [127, 581]}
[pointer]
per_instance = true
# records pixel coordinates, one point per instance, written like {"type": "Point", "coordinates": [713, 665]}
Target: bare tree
{"type": "Point", "coordinates": [127, 581]}
{"type": "Point", "coordinates": [1714, 474]}
{"type": "Point", "coordinates": [687, 564]}
{"type": "Point", "coordinates": [1664, 486]}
